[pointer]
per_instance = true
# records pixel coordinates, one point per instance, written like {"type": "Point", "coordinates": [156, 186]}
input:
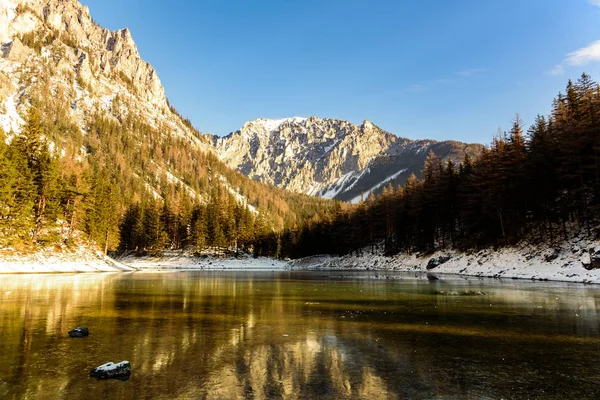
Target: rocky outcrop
{"type": "Point", "coordinates": [594, 258]}
{"type": "Point", "coordinates": [76, 45]}
{"type": "Point", "coordinates": [53, 53]}
{"type": "Point", "coordinates": [437, 261]}
{"type": "Point", "coordinates": [92, 68]}
{"type": "Point", "coordinates": [328, 157]}
{"type": "Point", "coordinates": [111, 52]}
{"type": "Point", "coordinates": [16, 51]}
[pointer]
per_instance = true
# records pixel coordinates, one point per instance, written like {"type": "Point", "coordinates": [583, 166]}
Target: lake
{"type": "Point", "coordinates": [298, 335]}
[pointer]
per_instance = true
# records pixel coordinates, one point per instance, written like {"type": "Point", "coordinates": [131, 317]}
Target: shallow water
{"type": "Point", "coordinates": [298, 335]}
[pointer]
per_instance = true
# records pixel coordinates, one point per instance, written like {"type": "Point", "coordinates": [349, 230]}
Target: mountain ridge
{"type": "Point", "coordinates": [328, 157]}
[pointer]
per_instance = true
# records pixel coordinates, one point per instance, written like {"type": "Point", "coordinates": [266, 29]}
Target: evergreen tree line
{"type": "Point", "coordinates": [538, 184]}
{"type": "Point", "coordinates": [152, 226]}
{"type": "Point", "coordinates": [111, 182]}
{"type": "Point", "coordinates": [42, 200]}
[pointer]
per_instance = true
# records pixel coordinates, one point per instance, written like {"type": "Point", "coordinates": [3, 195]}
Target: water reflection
{"type": "Point", "coordinates": [297, 336]}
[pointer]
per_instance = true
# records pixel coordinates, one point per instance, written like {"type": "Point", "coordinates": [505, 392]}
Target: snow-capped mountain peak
{"type": "Point", "coordinates": [327, 157]}
{"type": "Point", "coordinates": [270, 125]}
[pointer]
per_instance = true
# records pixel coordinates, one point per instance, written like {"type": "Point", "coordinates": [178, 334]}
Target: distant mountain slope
{"type": "Point", "coordinates": [329, 158]}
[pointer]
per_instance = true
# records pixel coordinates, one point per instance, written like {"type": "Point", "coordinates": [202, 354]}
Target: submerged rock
{"type": "Point", "coordinates": [460, 293]}
{"type": "Point", "coordinates": [79, 332]}
{"type": "Point", "coordinates": [432, 277]}
{"type": "Point", "coordinates": [437, 261]}
{"type": "Point", "coordinates": [111, 370]}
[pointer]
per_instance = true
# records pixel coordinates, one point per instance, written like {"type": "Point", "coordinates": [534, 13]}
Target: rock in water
{"type": "Point", "coordinates": [79, 332]}
{"type": "Point", "coordinates": [432, 277]}
{"type": "Point", "coordinates": [111, 370]}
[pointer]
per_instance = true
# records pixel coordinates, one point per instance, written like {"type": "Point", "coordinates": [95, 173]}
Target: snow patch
{"type": "Point", "coordinates": [112, 366]}
{"type": "Point", "coordinates": [178, 261]}
{"type": "Point", "coordinates": [272, 124]}
{"type": "Point", "coordinates": [238, 197]}
{"type": "Point", "coordinates": [366, 194]}
{"type": "Point", "coordinates": [336, 187]}
{"type": "Point", "coordinates": [11, 120]}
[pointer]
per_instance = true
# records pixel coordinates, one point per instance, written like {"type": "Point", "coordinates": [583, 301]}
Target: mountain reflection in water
{"type": "Point", "coordinates": [296, 335]}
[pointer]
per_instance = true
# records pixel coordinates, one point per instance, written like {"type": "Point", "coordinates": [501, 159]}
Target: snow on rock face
{"type": "Point", "coordinates": [95, 54]}
{"type": "Point", "coordinates": [272, 124]}
{"type": "Point", "coordinates": [7, 14]}
{"type": "Point", "coordinates": [88, 68]}
{"type": "Point", "coordinates": [327, 157]}
{"type": "Point", "coordinates": [10, 120]}
{"type": "Point", "coordinates": [302, 154]}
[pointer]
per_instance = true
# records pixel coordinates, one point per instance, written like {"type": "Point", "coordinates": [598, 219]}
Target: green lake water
{"type": "Point", "coordinates": [298, 335]}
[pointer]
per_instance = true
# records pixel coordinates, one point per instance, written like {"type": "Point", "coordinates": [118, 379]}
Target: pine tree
{"type": "Point", "coordinates": [9, 178]}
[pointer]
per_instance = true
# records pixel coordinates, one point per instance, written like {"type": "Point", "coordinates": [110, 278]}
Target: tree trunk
{"type": "Point", "coordinates": [106, 242]}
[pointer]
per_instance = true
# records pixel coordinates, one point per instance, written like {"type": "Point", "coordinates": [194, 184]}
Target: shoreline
{"type": "Point", "coordinates": [564, 263]}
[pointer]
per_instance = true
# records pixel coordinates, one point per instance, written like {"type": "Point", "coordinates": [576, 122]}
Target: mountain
{"type": "Point", "coordinates": [329, 158]}
{"type": "Point", "coordinates": [115, 140]}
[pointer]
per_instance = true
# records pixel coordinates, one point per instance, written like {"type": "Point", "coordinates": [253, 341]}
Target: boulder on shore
{"type": "Point", "coordinates": [594, 258]}
{"type": "Point", "coordinates": [79, 332]}
{"type": "Point", "coordinates": [552, 256]}
{"type": "Point", "coordinates": [437, 261]}
{"type": "Point", "coordinates": [111, 370]}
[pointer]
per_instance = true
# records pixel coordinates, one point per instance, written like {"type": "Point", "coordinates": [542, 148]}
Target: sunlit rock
{"type": "Point", "coordinates": [111, 370]}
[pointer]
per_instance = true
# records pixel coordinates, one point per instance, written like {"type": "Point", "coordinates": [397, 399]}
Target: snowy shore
{"type": "Point", "coordinates": [177, 261]}
{"type": "Point", "coordinates": [566, 262]}
{"type": "Point", "coordinates": [85, 260]}
{"type": "Point", "coordinates": [50, 261]}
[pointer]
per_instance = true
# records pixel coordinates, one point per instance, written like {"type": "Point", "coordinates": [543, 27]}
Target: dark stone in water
{"type": "Point", "coordinates": [111, 370]}
{"type": "Point", "coordinates": [79, 332]}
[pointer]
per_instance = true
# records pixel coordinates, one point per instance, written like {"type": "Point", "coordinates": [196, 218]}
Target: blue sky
{"type": "Point", "coordinates": [439, 69]}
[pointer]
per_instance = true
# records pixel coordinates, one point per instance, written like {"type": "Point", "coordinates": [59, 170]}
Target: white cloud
{"type": "Point", "coordinates": [467, 73]}
{"type": "Point", "coordinates": [578, 58]}
{"type": "Point", "coordinates": [595, 3]}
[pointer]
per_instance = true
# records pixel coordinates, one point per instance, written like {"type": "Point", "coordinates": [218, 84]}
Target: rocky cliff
{"type": "Point", "coordinates": [93, 69]}
{"type": "Point", "coordinates": [327, 157]}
